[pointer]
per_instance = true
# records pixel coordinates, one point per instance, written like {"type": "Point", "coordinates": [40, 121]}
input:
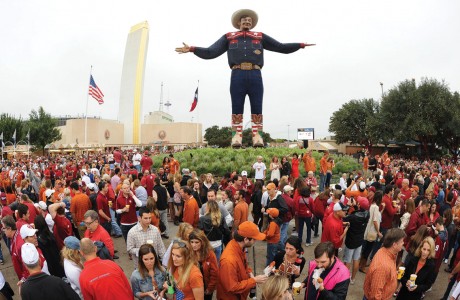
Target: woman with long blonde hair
{"type": "Point", "coordinates": [276, 288]}
{"type": "Point", "coordinates": [203, 253]}
{"type": "Point", "coordinates": [214, 226]}
{"type": "Point", "coordinates": [187, 276]}
{"type": "Point", "coordinates": [72, 262]}
{"type": "Point", "coordinates": [182, 234]}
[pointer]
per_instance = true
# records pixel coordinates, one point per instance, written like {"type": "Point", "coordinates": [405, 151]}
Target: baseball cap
{"type": "Point", "coordinates": [273, 212]}
{"type": "Point", "coordinates": [135, 150]}
{"type": "Point", "coordinates": [42, 205]}
{"type": "Point", "coordinates": [363, 202]}
{"type": "Point", "coordinates": [106, 177]}
{"type": "Point", "coordinates": [288, 188]}
{"type": "Point", "coordinates": [29, 253]}
{"type": "Point", "coordinates": [72, 242]}
{"type": "Point", "coordinates": [372, 188]}
{"type": "Point", "coordinates": [362, 185]}
{"type": "Point", "coordinates": [340, 206]}
{"type": "Point", "coordinates": [244, 173]}
{"type": "Point", "coordinates": [414, 188]}
{"type": "Point", "coordinates": [48, 193]}
{"type": "Point", "coordinates": [91, 186]}
{"type": "Point", "coordinates": [271, 186]}
{"type": "Point", "coordinates": [248, 229]}
{"type": "Point", "coordinates": [27, 230]}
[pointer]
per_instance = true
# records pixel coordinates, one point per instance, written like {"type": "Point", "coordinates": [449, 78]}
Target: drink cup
{"type": "Point", "coordinates": [149, 242]}
{"type": "Point", "coordinates": [296, 286]}
{"type": "Point", "coordinates": [394, 203]}
{"type": "Point", "coordinates": [127, 206]}
{"type": "Point", "coordinates": [169, 296]}
{"type": "Point", "coordinates": [413, 278]}
{"type": "Point", "coordinates": [110, 203]}
{"type": "Point", "coordinates": [401, 271]}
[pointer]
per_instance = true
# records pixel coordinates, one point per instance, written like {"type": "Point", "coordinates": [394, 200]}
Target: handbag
{"type": "Point", "coordinates": [371, 234]}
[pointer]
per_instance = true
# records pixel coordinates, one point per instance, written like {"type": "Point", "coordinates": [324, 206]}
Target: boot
{"type": "Point", "coordinates": [257, 126]}
{"type": "Point", "coordinates": [362, 265]}
{"type": "Point", "coordinates": [237, 131]}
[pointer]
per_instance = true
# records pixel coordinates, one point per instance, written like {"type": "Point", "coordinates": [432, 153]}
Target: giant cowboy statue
{"type": "Point", "coordinates": [245, 51]}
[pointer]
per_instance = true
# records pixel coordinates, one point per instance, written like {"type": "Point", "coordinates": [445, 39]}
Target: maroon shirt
{"type": "Point", "coordinates": [130, 217]}
{"type": "Point", "coordinates": [103, 203]}
{"type": "Point", "coordinates": [388, 213]}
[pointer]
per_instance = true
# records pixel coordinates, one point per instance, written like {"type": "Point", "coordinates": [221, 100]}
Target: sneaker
{"type": "Point", "coordinates": [446, 261]}
{"type": "Point", "coordinates": [308, 244]}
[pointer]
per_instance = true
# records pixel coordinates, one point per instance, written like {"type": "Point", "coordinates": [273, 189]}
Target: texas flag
{"type": "Point", "coordinates": [195, 101]}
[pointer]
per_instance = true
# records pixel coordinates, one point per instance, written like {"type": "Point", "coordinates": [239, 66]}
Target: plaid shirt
{"type": "Point", "coordinates": [381, 278]}
{"type": "Point", "coordinates": [138, 237]}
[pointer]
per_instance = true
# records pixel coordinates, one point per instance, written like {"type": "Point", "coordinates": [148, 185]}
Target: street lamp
{"type": "Point", "coordinates": [381, 85]}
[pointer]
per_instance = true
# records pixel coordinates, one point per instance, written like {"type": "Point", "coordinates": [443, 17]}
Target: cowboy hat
{"type": "Point", "coordinates": [237, 15]}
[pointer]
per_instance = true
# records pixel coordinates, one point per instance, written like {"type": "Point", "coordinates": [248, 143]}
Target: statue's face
{"type": "Point", "coordinates": [245, 23]}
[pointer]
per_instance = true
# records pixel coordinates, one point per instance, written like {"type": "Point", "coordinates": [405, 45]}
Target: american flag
{"type": "Point", "coordinates": [94, 91]}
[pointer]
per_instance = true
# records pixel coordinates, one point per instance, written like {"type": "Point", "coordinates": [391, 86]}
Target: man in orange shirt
{"type": "Point", "coordinates": [174, 165]}
{"type": "Point", "coordinates": [309, 162]}
{"type": "Point", "coordinates": [79, 205]}
{"type": "Point", "coordinates": [381, 278]}
{"type": "Point", "coordinates": [236, 278]}
{"type": "Point", "coordinates": [323, 171]}
{"type": "Point", "coordinates": [241, 210]}
{"type": "Point", "coordinates": [366, 166]}
{"type": "Point", "coordinates": [191, 210]}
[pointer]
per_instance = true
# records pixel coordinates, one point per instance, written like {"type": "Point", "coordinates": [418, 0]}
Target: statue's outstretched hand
{"type": "Point", "coordinates": [182, 50]}
{"type": "Point", "coordinates": [306, 44]}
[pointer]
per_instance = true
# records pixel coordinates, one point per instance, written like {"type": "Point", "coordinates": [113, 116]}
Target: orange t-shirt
{"type": "Point", "coordinates": [79, 205]}
{"type": "Point", "coordinates": [195, 280]}
{"type": "Point", "coordinates": [10, 198]}
{"type": "Point", "coordinates": [155, 220]}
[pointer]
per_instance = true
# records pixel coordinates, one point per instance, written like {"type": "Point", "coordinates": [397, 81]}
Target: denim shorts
{"type": "Point", "coordinates": [349, 254]}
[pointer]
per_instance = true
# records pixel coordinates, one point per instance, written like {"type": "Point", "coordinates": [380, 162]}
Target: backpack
{"type": "Point", "coordinates": [102, 251]}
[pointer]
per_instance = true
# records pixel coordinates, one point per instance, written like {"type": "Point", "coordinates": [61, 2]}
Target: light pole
{"type": "Point", "coordinates": [381, 85]}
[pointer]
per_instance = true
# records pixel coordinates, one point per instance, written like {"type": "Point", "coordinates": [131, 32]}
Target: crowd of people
{"type": "Point", "coordinates": [394, 220]}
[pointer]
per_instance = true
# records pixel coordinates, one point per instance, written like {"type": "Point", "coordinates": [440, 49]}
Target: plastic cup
{"type": "Point", "coordinates": [149, 242]}
{"type": "Point", "coordinates": [401, 271]}
{"type": "Point", "coordinates": [110, 203]}
{"type": "Point", "coordinates": [413, 278]}
{"type": "Point", "coordinates": [127, 206]}
{"type": "Point", "coordinates": [296, 286]}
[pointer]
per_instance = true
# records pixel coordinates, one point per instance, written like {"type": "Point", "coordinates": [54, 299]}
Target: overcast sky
{"type": "Point", "coordinates": [47, 48]}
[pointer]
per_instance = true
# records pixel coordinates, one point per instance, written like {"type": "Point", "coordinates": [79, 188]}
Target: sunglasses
{"type": "Point", "coordinates": [181, 244]}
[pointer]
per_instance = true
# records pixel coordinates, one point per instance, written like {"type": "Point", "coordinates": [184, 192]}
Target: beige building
{"type": "Point", "coordinates": [172, 133]}
{"type": "Point", "coordinates": [100, 131]}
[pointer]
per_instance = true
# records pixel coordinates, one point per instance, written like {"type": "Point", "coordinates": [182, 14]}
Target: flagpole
{"type": "Point", "coordinates": [87, 97]}
{"type": "Point", "coordinates": [1, 141]}
{"type": "Point", "coordinates": [198, 87]}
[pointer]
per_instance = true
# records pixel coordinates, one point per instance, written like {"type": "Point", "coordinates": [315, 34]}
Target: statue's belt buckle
{"type": "Point", "coordinates": [246, 66]}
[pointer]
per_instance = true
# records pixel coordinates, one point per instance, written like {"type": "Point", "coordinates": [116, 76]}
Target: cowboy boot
{"type": "Point", "coordinates": [257, 126]}
{"type": "Point", "coordinates": [237, 130]}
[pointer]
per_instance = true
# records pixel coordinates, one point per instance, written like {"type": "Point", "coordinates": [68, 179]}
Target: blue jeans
{"type": "Point", "coordinates": [322, 181]}
{"type": "Point", "coordinates": [218, 252]}
{"type": "Point", "coordinates": [244, 83]}
{"type": "Point", "coordinates": [283, 234]}
{"type": "Point", "coordinates": [307, 221]}
{"type": "Point", "coordinates": [115, 228]}
{"type": "Point", "coordinates": [378, 244]}
{"type": "Point", "coordinates": [272, 249]}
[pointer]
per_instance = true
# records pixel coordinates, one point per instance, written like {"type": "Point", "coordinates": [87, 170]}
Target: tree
{"type": "Point", "coordinates": [42, 128]}
{"type": "Point", "coordinates": [428, 113]}
{"type": "Point", "coordinates": [8, 124]}
{"type": "Point", "coordinates": [216, 136]}
{"type": "Point", "coordinates": [356, 122]}
{"type": "Point", "coordinates": [247, 137]}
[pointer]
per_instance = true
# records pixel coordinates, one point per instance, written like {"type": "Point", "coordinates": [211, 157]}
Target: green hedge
{"type": "Point", "coordinates": [219, 161]}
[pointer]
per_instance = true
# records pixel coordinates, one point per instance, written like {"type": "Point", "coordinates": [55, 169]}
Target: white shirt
{"type": "Point", "coordinates": [49, 221]}
{"type": "Point", "coordinates": [72, 272]}
{"type": "Point", "coordinates": [259, 168]}
{"type": "Point", "coordinates": [137, 159]}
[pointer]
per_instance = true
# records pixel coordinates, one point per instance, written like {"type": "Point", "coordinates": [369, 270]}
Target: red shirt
{"type": "Point", "coordinates": [333, 229]}
{"type": "Point", "coordinates": [388, 213]}
{"type": "Point", "coordinates": [100, 234]}
{"type": "Point", "coordinates": [104, 280]}
{"type": "Point", "coordinates": [62, 229]}
{"type": "Point", "coordinates": [148, 183]}
{"type": "Point", "coordinates": [130, 217]}
{"type": "Point", "coordinates": [146, 163]}
{"type": "Point", "coordinates": [103, 203]}
{"type": "Point", "coordinates": [32, 210]}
